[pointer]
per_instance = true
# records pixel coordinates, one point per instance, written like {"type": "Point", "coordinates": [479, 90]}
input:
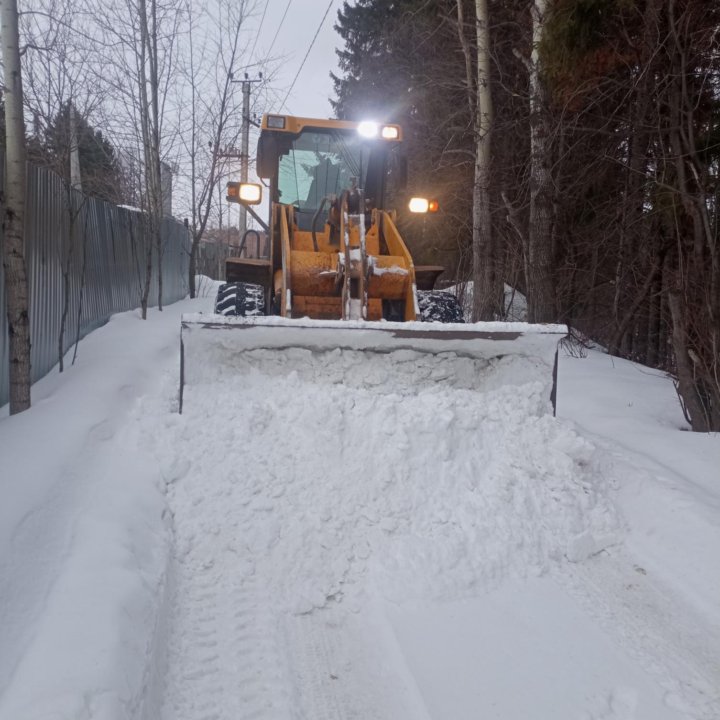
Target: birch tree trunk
{"type": "Point", "coordinates": [156, 209]}
{"type": "Point", "coordinates": [148, 79]}
{"type": "Point", "coordinates": [484, 271]}
{"type": "Point", "coordinates": [215, 120]}
{"type": "Point", "coordinates": [540, 284]}
{"type": "Point", "coordinates": [13, 220]}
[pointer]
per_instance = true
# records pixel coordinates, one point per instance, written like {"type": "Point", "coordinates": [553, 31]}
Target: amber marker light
{"type": "Point", "coordinates": [233, 192]}
{"type": "Point", "coordinates": [390, 132]}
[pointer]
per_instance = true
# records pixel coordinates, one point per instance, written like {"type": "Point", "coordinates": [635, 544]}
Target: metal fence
{"type": "Point", "coordinates": [86, 260]}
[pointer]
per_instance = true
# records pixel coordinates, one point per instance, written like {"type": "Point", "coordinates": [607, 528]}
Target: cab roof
{"type": "Point", "coordinates": [295, 125]}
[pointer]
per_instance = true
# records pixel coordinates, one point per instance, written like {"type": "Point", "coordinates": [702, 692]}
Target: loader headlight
{"type": "Point", "coordinates": [276, 122]}
{"type": "Point", "coordinates": [390, 132]}
{"type": "Point", "coordinates": [250, 193]}
{"type": "Point", "coordinates": [246, 193]}
{"type": "Point", "coordinates": [423, 205]}
{"type": "Point", "coordinates": [368, 129]}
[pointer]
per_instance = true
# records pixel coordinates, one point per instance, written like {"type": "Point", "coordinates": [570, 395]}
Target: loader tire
{"type": "Point", "coordinates": [243, 299]}
{"type": "Point", "coordinates": [439, 306]}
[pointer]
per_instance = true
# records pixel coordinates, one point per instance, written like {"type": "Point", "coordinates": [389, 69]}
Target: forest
{"type": "Point", "coordinates": [573, 146]}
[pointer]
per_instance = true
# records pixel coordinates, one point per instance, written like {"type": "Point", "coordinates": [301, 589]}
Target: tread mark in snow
{"type": "Point", "coordinates": [653, 630]}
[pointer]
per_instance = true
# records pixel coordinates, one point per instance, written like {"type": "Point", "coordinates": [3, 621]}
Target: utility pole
{"type": "Point", "coordinates": [245, 145]}
{"type": "Point", "coordinates": [245, 149]}
{"type": "Point", "coordinates": [75, 176]}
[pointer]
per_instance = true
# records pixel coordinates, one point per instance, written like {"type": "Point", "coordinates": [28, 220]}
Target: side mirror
{"type": "Point", "coordinates": [267, 152]}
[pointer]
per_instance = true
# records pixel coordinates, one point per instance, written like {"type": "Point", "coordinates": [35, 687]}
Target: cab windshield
{"type": "Point", "coordinates": [319, 164]}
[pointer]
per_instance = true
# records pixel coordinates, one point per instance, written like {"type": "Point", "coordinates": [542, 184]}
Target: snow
{"type": "Point", "coordinates": [515, 301]}
{"type": "Point", "coordinates": [332, 533]}
{"type": "Point", "coordinates": [672, 474]}
{"type": "Point", "coordinates": [390, 270]}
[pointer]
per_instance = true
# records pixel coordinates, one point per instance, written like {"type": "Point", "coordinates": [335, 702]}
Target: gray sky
{"type": "Point", "coordinates": [310, 94]}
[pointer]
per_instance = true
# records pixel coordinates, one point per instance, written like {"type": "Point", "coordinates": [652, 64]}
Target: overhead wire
{"type": "Point", "coordinates": [262, 20]}
{"type": "Point", "coordinates": [277, 32]}
{"type": "Point", "coordinates": [302, 64]}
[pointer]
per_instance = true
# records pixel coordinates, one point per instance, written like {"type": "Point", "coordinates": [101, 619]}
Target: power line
{"type": "Point", "coordinates": [302, 64]}
{"type": "Point", "coordinates": [277, 32]}
{"type": "Point", "coordinates": [262, 20]}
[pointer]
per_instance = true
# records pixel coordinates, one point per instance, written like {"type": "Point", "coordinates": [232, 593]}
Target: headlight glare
{"type": "Point", "coordinates": [368, 129]}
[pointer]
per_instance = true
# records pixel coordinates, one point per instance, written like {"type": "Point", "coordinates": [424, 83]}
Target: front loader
{"type": "Point", "coordinates": [330, 269]}
{"type": "Point", "coordinates": [334, 250]}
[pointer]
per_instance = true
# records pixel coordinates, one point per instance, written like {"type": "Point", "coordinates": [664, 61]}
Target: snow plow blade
{"type": "Point", "coordinates": [210, 344]}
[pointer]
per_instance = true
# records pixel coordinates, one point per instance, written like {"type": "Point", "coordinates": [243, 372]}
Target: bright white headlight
{"type": "Point", "coordinates": [250, 193]}
{"type": "Point", "coordinates": [368, 129]}
{"type": "Point", "coordinates": [419, 205]}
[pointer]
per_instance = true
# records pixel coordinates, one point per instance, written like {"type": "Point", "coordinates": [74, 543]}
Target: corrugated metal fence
{"type": "Point", "coordinates": [86, 259]}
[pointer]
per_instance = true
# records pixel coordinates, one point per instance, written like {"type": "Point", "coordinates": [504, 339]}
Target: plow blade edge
{"type": "Point", "coordinates": [208, 341]}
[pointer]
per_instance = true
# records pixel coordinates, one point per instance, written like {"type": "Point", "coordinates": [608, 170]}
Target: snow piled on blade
{"type": "Point", "coordinates": [406, 474]}
{"type": "Point", "coordinates": [209, 342]}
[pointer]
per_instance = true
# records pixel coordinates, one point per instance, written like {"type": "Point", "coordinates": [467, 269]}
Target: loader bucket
{"type": "Point", "coordinates": [212, 346]}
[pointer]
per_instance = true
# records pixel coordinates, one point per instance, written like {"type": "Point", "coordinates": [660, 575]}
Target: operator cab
{"type": "Point", "coordinates": [311, 163]}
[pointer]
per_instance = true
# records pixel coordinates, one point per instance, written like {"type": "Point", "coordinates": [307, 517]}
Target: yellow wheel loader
{"type": "Point", "coordinates": [335, 252]}
{"type": "Point", "coordinates": [330, 269]}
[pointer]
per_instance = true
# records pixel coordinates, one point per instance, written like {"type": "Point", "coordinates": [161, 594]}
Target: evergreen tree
{"type": "Point", "coordinates": [400, 64]}
{"type": "Point", "coordinates": [101, 172]}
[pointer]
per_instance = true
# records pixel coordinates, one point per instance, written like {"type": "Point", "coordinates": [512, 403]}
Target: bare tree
{"type": "Point", "coordinates": [485, 306]}
{"type": "Point", "coordinates": [13, 222]}
{"type": "Point", "coordinates": [539, 255]}
{"type": "Point", "coordinates": [213, 53]}
{"type": "Point", "coordinates": [138, 61]}
{"type": "Point", "coordinates": [56, 68]}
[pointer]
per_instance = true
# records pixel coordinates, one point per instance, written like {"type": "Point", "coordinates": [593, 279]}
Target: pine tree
{"type": "Point", "coordinates": [400, 64]}
{"type": "Point", "coordinates": [102, 174]}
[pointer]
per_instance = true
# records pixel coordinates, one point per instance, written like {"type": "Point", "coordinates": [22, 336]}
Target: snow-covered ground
{"type": "Point", "coordinates": [327, 535]}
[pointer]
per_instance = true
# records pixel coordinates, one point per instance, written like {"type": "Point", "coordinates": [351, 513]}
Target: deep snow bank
{"type": "Point", "coordinates": [670, 477]}
{"type": "Point", "coordinates": [84, 534]}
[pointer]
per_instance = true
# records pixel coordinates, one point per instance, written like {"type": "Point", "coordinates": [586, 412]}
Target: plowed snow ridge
{"type": "Point", "coordinates": [321, 482]}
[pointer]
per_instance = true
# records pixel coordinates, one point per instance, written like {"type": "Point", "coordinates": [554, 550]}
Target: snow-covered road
{"type": "Point", "coordinates": [358, 538]}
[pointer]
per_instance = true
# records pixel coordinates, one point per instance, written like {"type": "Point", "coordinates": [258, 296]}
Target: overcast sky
{"type": "Point", "coordinates": [309, 97]}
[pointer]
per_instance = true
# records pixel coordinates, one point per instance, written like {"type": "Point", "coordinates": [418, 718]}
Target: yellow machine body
{"type": "Point", "coordinates": [347, 261]}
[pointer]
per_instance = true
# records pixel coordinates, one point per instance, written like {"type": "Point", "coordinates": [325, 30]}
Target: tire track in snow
{"type": "Point", "coordinates": [346, 665]}
{"type": "Point", "coordinates": [224, 661]}
{"type": "Point", "coordinates": [315, 671]}
{"type": "Point", "coordinates": [648, 623]}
